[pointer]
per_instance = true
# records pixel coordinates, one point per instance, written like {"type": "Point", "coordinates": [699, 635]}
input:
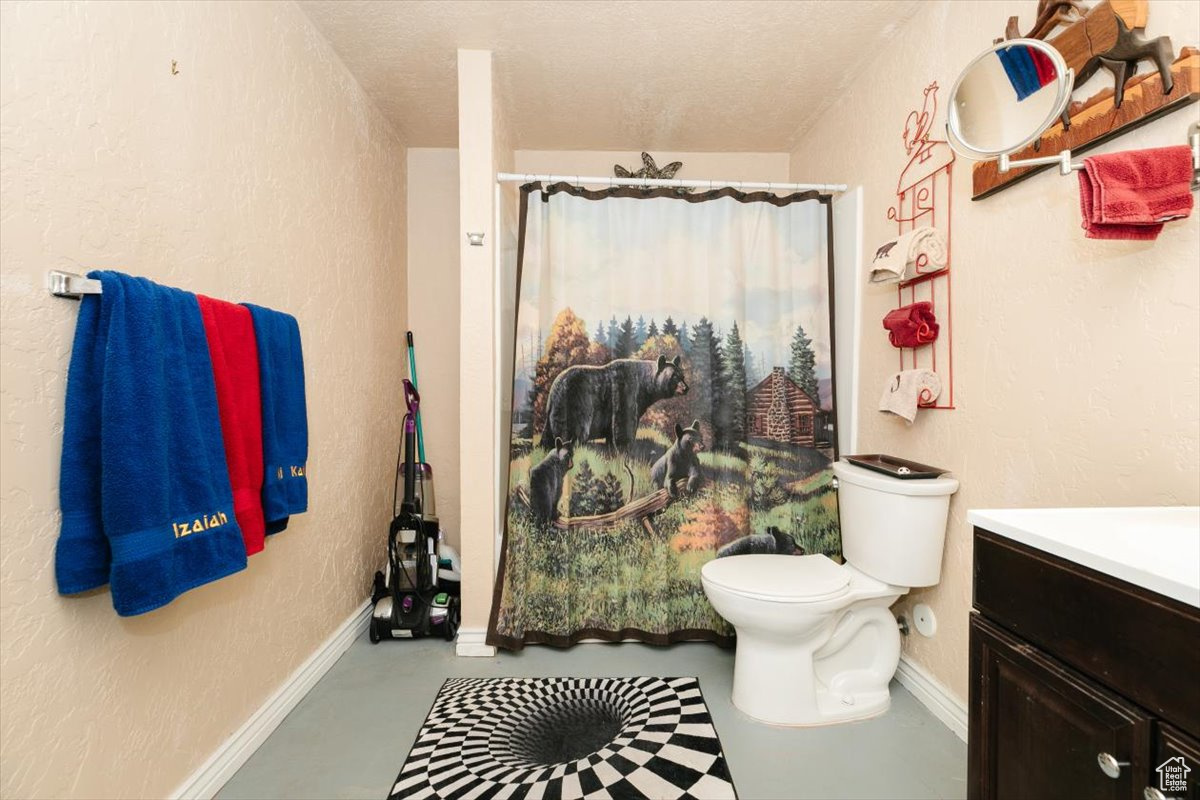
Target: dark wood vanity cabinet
{"type": "Point", "coordinates": [1171, 743]}
{"type": "Point", "coordinates": [1082, 685]}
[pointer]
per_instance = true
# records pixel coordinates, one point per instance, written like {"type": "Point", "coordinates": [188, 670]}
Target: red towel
{"type": "Point", "coordinates": [1130, 195]}
{"type": "Point", "coordinates": [911, 326]}
{"type": "Point", "coordinates": [234, 352]}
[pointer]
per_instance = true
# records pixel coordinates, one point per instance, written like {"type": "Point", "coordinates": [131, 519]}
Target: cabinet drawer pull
{"type": "Point", "coordinates": [1110, 766]}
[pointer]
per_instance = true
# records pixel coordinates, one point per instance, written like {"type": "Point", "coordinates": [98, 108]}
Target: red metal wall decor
{"type": "Point", "coordinates": [924, 195]}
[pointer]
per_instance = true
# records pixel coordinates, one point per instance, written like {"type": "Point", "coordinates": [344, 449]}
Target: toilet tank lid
{"type": "Point", "coordinates": [921, 487]}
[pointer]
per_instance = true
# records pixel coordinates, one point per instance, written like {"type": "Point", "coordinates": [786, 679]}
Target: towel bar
{"type": "Point", "coordinates": [1066, 166]}
{"type": "Point", "coordinates": [70, 285]}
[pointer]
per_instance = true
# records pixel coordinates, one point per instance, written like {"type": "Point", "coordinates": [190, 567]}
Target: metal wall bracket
{"type": "Point", "coordinates": [70, 285]}
{"type": "Point", "coordinates": [475, 239]}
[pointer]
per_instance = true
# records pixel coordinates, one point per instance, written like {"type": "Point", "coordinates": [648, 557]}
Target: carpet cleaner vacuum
{"type": "Point", "coordinates": [409, 603]}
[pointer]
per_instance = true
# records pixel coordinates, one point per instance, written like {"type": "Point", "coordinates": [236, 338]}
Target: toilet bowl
{"type": "Point", "coordinates": [816, 641]}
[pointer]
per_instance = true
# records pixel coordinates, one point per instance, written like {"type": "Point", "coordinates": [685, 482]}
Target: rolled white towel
{"type": "Point", "coordinates": [907, 390]}
{"type": "Point", "coordinates": [900, 258]}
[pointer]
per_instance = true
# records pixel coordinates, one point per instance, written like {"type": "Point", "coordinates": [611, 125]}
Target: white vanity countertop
{"type": "Point", "coordinates": [1157, 548]}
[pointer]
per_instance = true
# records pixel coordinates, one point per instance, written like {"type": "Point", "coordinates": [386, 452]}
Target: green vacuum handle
{"type": "Point", "coordinates": [412, 371]}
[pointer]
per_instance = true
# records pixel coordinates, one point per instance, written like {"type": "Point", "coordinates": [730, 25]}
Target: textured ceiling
{"type": "Point", "coordinates": [673, 74]}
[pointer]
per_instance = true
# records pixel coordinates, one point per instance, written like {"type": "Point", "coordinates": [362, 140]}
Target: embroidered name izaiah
{"type": "Point", "coordinates": [294, 471]}
{"type": "Point", "coordinates": [199, 524]}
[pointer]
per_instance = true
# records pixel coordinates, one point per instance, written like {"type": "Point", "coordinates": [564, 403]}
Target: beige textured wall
{"type": "Point", "coordinates": [259, 172]}
{"type": "Point", "coordinates": [433, 287]}
{"type": "Point", "coordinates": [1076, 361]}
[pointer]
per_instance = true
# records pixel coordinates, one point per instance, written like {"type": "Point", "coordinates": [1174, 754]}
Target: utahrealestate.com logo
{"type": "Point", "coordinates": [1172, 775]}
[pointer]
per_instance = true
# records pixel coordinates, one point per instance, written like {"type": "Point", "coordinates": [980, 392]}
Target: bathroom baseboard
{"type": "Point", "coordinates": [235, 751]}
{"type": "Point", "coordinates": [941, 703]}
{"type": "Point", "coordinates": [472, 643]}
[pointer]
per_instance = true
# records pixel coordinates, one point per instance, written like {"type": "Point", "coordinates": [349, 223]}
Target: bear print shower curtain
{"type": "Point", "coordinates": [673, 402]}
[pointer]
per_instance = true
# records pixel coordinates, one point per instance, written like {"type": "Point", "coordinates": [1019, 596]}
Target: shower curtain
{"type": "Point", "coordinates": [673, 402]}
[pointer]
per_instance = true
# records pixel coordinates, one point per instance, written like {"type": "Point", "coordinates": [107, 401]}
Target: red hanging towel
{"type": "Point", "coordinates": [912, 325]}
{"type": "Point", "coordinates": [234, 352]}
{"type": "Point", "coordinates": [1130, 195]}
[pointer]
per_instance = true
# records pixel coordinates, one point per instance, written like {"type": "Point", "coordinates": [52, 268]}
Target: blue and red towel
{"type": "Point", "coordinates": [1028, 69]}
{"type": "Point", "coordinates": [146, 501]}
{"type": "Point", "coordinates": [185, 440]}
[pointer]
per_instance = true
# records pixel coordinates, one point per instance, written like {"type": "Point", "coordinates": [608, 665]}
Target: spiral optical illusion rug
{"type": "Point", "coordinates": [565, 738]}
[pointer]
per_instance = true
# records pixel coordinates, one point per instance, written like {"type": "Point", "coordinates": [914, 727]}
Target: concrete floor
{"type": "Point", "coordinates": [349, 736]}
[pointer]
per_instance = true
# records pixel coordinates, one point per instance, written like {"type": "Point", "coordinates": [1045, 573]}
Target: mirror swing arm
{"type": "Point", "coordinates": [1063, 159]}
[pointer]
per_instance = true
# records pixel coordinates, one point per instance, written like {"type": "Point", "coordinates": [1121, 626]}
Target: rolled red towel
{"type": "Point", "coordinates": [912, 325]}
{"type": "Point", "coordinates": [234, 351]}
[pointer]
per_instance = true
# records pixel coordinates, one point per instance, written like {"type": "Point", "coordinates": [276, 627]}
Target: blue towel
{"type": "Point", "coordinates": [1022, 72]}
{"type": "Point", "coordinates": [145, 494]}
{"type": "Point", "coordinates": [284, 416]}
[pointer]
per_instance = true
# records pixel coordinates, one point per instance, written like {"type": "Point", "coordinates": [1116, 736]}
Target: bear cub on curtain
{"type": "Point", "coordinates": [680, 462]}
{"type": "Point", "coordinates": [591, 402]}
{"type": "Point", "coordinates": [546, 480]}
{"type": "Point", "coordinates": [773, 542]}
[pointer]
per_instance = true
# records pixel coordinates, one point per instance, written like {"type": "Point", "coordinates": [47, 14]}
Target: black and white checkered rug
{"type": "Point", "coordinates": [563, 738]}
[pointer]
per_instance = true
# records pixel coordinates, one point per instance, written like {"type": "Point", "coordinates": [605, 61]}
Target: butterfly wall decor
{"type": "Point", "coordinates": [649, 169]}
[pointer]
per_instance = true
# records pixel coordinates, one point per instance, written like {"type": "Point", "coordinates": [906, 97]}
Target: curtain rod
{"type": "Point", "coordinates": [510, 177]}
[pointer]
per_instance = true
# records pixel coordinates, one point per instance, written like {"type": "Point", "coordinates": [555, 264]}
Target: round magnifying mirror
{"type": "Point", "coordinates": [1007, 97]}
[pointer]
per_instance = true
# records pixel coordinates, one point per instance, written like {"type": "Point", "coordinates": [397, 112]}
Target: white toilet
{"type": "Point", "coordinates": [816, 641]}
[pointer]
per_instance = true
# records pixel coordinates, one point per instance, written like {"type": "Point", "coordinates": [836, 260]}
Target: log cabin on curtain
{"type": "Point", "coordinates": [778, 410]}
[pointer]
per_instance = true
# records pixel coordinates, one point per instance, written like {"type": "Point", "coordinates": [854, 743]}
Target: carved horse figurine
{"type": "Point", "coordinates": [1102, 37]}
{"type": "Point", "coordinates": [1051, 14]}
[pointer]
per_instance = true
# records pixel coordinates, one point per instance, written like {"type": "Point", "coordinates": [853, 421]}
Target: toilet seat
{"type": "Point", "coordinates": [779, 579]}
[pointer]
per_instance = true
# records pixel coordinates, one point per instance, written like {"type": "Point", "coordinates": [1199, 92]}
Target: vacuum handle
{"type": "Point", "coordinates": [413, 401]}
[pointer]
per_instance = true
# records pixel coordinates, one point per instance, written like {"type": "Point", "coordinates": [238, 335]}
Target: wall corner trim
{"type": "Point", "coordinates": [472, 643]}
{"type": "Point", "coordinates": [205, 782]}
{"type": "Point", "coordinates": [951, 711]}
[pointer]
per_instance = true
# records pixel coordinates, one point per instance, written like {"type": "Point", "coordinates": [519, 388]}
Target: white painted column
{"type": "Point", "coordinates": [477, 367]}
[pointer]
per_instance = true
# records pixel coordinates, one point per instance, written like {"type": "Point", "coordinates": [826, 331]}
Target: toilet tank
{"type": "Point", "coordinates": [892, 529]}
